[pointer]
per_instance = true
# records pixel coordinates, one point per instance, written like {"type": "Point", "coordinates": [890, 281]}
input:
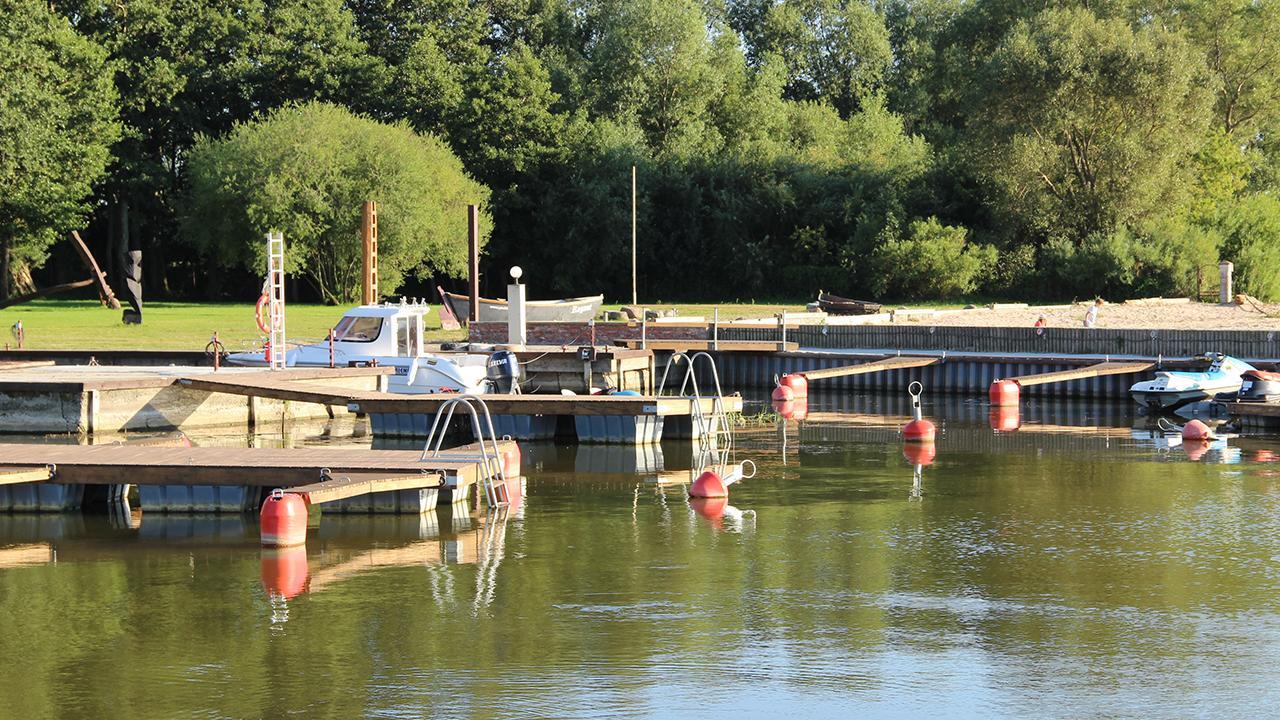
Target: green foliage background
{"type": "Point", "coordinates": [782, 146]}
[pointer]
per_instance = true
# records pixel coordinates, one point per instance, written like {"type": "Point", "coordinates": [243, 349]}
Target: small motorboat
{"type": "Point", "coordinates": [390, 334]}
{"type": "Point", "coordinates": [579, 309]}
{"type": "Point", "coordinates": [836, 305]}
{"type": "Point", "coordinates": [1172, 390]}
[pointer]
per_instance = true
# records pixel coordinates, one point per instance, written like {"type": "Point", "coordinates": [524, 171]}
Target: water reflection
{"type": "Point", "coordinates": [1072, 567]}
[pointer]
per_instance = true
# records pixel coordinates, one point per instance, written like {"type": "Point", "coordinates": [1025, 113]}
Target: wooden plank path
{"type": "Point", "coordinates": [720, 346]}
{"type": "Point", "coordinates": [265, 467]}
{"type": "Point", "coordinates": [1081, 373]}
{"type": "Point", "coordinates": [625, 405]}
{"type": "Point", "coordinates": [1254, 409]}
{"type": "Point", "coordinates": [25, 474]}
{"type": "Point", "coordinates": [889, 363]}
{"type": "Point", "coordinates": [263, 385]}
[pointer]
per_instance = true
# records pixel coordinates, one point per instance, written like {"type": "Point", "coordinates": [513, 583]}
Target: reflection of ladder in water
{"type": "Point", "coordinates": [275, 299]}
{"type": "Point", "coordinates": [492, 475]}
{"type": "Point", "coordinates": [711, 429]}
{"type": "Point", "coordinates": [490, 547]}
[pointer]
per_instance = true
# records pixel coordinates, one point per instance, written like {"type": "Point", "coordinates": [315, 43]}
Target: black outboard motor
{"type": "Point", "coordinates": [504, 372]}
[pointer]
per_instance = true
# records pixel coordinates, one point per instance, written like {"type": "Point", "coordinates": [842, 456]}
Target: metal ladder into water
{"type": "Point", "coordinates": [492, 475]}
{"type": "Point", "coordinates": [711, 429]}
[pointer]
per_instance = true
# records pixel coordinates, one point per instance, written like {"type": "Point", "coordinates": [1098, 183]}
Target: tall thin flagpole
{"type": "Point", "coordinates": [633, 235]}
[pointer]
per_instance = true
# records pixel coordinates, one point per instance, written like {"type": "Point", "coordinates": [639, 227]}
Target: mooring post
{"type": "Point", "coordinates": [473, 262]}
{"type": "Point", "coordinates": [369, 238]}
{"type": "Point", "coordinates": [517, 331]}
{"type": "Point", "coordinates": [715, 329]}
{"type": "Point", "coordinates": [1225, 295]}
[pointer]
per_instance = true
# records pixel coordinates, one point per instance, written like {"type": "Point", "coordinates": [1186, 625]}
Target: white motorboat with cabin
{"type": "Point", "coordinates": [392, 335]}
{"type": "Point", "coordinates": [1172, 390]}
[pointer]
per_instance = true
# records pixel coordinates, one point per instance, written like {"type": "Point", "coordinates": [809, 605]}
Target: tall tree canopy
{"type": "Point", "coordinates": [57, 124]}
{"type": "Point", "coordinates": [306, 171]}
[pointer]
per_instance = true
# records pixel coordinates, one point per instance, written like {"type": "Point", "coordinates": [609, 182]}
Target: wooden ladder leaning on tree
{"type": "Point", "coordinates": [96, 277]}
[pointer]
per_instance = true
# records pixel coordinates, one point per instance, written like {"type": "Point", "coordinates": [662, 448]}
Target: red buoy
{"type": "Point", "coordinates": [791, 409]}
{"type": "Point", "coordinates": [284, 571]}
{"type": "Point", "coordinates": [1005, 418]}
{"type": "Point", "coordinates": [511, 459]}
{"type": "Point", "coordinates": [1196, 430]}
{"type": "Point", "coordinates": [710, 508]}
{"type": "Point", "coordinates": [1004, 392]}
{"type": "Point", "coordinates": [799, 385]}
{"type": "Point", "coordinates": [783, 393]}
{"type": "Point", "coordinates": [1196, 449]}
{"type": "Point", "coordinates": [918, 431]}
{"type": "Point", "coordinates": [283, 521]}
{"type": "Point", "coordinates": [920, 453]}
{"type": "Point", "coordinates": [708, 485]}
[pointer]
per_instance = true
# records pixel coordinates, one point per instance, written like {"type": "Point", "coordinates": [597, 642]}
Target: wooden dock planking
{"type": "Point", "coordinates": [260, 385]}
{"type": "Point", "coordinates": [15, 474]}
{"type": "Point", "coordinates": [266, 467]}
{"type": "Point", "coordinates": [624, 405]}
{"type": "Point", "coordinates": [1253, 409]}
{"type": "Point", "coordinates": [889, 363]}
{"type": "Point", "coordinates": [720, 346]}
{"type": "Point", "coordinates": [340, 487]}
{"type": "Point", "coordinates": [1081, 373]}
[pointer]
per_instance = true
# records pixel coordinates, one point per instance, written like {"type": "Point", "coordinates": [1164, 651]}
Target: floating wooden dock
{"type": "Point", "coordinates": [1111, 367]}
{"type": "Point", "coordinates": [694, 345]}
{"type": "Point", "coordinates": [625, 419]}
{"type": "Point", "coordinates": [197, 476]}
{"type": "Point", "coordinates": [889, 363]}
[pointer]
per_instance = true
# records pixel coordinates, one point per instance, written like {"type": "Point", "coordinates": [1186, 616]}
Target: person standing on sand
{"type": "Point", "coordinates": [1091, 316]}
{"type": "Point", "coordinates": [1040, 326]}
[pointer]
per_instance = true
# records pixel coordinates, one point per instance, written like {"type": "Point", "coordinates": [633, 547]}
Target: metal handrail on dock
{"type": "Point", "coordinates": [492, 465]}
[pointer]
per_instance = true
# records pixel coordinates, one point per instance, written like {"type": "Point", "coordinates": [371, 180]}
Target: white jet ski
{"type": "Point", "coordinates": [1171, 390]}
{"type": "Point", "coordinates": [392, 335]}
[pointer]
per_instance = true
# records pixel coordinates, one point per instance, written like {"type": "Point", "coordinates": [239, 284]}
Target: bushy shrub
{"type": "Point", "coordinates": [1251, 240]}
{"type": "Point", "coordinates": [932, 261]}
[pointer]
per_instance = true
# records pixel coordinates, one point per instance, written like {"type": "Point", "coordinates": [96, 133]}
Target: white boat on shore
{"type": "Point", "coordinates": [392, 335]}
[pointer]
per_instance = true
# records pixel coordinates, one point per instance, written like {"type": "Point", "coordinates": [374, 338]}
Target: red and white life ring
{"type": "Point", "coordinates": [260, 313]}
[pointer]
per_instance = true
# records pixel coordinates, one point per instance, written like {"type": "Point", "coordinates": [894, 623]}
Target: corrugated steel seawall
{"type": "Point", "coordinates": [740, 370]}
{"type": "Point", "coordinates": [1257, 344]}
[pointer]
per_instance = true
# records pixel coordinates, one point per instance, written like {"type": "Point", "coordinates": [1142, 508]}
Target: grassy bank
{"type": "Point", "coordinates": [85, 324]}
{"type": "Point", "coordinates": [74, 324]}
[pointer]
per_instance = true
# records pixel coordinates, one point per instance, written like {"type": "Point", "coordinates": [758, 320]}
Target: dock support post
{"type": "Point", "coordinates": [369, 236]}
{"type": "Point", "coordinates": [517, 331]}
{"type": "Point", "coordinates": [473, 262]}
{"type": "Point", "coordinates": [1225, 295]}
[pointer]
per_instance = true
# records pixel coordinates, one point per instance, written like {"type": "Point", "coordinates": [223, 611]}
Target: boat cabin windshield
{"type": "Point", "coordinates": [356, 328]}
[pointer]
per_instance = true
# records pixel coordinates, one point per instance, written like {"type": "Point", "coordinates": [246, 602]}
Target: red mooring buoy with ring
{"type": "Point", "coordinates": [1196, 430]}
{"type": "Point", "coordinates": [284, 571]}
{"type": "Point", "coordinates": [919, 429]}
{"type": "Point", "coordinates": [1004, 392]}
{"type": "Point", "coordinates": [511, 460]}
{"type": "Point", "coordinates": [783, 393]}
{"type": "Point", "coordinates": [799, 385]}
{"type": "Point", "coordinates": [708, 485]}
{"type": "Point", "coordinates": [283, 521]}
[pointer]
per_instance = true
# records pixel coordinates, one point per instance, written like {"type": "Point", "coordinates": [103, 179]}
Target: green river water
{"type": "Point", "coordinates": [1074, 568]}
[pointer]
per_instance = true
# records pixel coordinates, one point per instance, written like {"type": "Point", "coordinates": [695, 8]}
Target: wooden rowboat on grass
{"type": "Point", "coordinates": [579, 309]}
{"type": "Point", "coordinates": [836, 305]}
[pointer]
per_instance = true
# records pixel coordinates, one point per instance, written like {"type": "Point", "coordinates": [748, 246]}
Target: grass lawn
{"type": "Point", "coordinates": [85, 324]}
